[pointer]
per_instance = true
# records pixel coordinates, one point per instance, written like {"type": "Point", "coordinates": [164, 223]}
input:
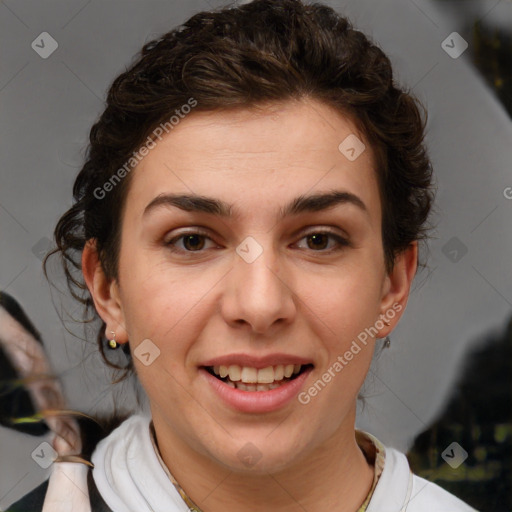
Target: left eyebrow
{"type": "Point", "coordinates": [301, 204]}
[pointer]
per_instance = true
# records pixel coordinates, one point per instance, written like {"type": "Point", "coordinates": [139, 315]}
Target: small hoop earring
{"type": "Point", "coordinates": [387, 342]}
{"type": "Point", "coordinates": [112, 343]}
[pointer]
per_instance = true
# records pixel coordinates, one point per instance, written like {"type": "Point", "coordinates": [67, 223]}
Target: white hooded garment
{"type": "Point", "coordinates": [130, 476]}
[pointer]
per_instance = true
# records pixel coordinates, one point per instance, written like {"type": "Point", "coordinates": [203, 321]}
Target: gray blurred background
{"type": "Point", "coordinates": [49, 104]}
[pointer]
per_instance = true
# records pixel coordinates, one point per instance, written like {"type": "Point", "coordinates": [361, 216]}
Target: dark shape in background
{"type": "Point", "coordinates": [490, 46]}
{"type": "Point", "coordinates": [15, 399]}
{"type": "Point", "coordinates": [478, 417]}
{"type": "Point", "coordinates": [492, 55]}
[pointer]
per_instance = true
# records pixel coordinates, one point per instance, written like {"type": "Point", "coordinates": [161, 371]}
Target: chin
{"type": "Point", "coordinates": [260, 455]}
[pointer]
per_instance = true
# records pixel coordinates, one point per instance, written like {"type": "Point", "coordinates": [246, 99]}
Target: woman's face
{"type": "Point", "coordinates": [275, 259]}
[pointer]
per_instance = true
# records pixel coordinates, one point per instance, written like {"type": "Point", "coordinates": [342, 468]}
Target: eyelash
{"type": "Point", "coordinates": [342, 242]}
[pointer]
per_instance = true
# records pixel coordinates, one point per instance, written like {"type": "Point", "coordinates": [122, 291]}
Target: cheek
{"type": "Point", "coordinates": [347, 312]}
{"type": "Point", "coordinates": [348, 309]}
{"type": "Point", "coordinates": [156, 307]}
{"type": "Point", "coordinates": [148, 293]}
{"type": "Point", "coordinates": [163, 310]}
{"type": "Point", "coordinates": [167, 305]}
{"type": "Point", "coordinates": [349, 299]}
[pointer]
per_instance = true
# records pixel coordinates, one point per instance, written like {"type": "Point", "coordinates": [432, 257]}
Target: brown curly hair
{"type": "Point", "coordinates": [240, 57]}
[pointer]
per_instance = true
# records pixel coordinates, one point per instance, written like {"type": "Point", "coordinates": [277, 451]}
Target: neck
{"type": "Point", "coordinates": [334, 475]}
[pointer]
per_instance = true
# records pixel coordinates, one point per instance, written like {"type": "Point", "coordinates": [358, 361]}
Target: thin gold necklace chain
{"type": "Point", "coordinates": [190, 504]}
{"type": "Point", "coordinates": [194, 508]}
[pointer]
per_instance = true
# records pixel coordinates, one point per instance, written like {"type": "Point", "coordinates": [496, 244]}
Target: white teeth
{"type": "Point", "coordinates": [235, 372]}
{"type": "Point", "coordinates": [255, 387]}
{"type": "Point", "coordinates": [279, 372]}
{"type": "Point", "coordinates": [249, 375]}
{"type": "Point", "coordinates": [265, 376]}
{"type": "Point", "coordinates": [288, 370]}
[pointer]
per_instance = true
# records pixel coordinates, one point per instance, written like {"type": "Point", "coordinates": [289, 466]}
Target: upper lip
{"type": "Point", "coordinates": [256, 361]}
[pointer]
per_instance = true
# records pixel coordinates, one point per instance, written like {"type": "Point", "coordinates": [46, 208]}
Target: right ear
{"type": "Point", "coordinates": [104, 292]}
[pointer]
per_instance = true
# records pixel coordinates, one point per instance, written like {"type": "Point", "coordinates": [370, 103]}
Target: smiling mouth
{"type": "Point", "coordinates": [246, 378]}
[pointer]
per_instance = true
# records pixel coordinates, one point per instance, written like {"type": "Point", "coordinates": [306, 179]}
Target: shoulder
{"type": "Point", "coordinates": [92, 433]}
{"type": "Point", "coordinates": [429, 497]}
{"type": "Point", "coordinates": [398, 489]}
{"type": "Point", "coordinates": [34, 500]}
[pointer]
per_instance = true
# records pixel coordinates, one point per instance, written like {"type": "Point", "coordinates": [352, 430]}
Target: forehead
{"type": "Point", "coordinates": [258, 158]}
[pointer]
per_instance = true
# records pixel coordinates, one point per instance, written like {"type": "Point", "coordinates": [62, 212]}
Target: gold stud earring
{"type": "Point", "coordinates": [112, 343]}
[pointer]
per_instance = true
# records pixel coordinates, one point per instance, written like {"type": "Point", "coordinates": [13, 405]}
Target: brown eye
{"type": "Point", "coordinates": [318, 241]}
{"type": "Point", "coordinates": [191, 242]}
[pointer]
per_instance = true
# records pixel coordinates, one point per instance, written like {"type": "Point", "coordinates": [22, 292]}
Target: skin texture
{"type": "Point", "coordinates": [296, 298]}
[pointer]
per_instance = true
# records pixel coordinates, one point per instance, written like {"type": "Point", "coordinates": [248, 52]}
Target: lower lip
{"type": "Point", "coordinates": [257, 401]}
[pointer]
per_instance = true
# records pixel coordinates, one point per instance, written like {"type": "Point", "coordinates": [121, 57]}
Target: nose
{"type": "Point", "coordinates": [258, 294]}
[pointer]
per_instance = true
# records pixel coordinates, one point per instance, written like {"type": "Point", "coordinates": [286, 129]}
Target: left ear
{"type": "Point", "coordinates": [396, 287]}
